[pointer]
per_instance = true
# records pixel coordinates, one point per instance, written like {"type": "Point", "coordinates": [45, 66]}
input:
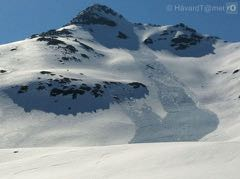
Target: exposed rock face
{"type": "Point", "coordinates": [97, 14]}
{"type": "Point", "coordinates": [181, 40]}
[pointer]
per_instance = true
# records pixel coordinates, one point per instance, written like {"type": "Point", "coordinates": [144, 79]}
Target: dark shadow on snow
{"type": "Point", "coordinates": [72, 97]}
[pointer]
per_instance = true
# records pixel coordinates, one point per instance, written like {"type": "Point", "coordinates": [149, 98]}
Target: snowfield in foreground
{"type": "Point", "coordinates": [193, 160]}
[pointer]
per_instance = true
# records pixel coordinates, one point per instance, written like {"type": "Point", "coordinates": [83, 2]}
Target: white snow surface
{"type": "Point", "coordinates": [195, 160]}
{"type": "Point", "coordinates": [184, 115]}
{"type": "Point", "coordinates": [186, 99]}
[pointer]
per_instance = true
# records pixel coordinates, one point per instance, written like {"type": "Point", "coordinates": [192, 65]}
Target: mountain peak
{"type": "Point", "coordinates": [99, 8]}
{"type": "Point", "coordinates": [97, 14]}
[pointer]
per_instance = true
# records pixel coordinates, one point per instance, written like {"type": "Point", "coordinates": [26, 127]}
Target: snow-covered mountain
{"type": "Point", "coordinates": [103, 80]}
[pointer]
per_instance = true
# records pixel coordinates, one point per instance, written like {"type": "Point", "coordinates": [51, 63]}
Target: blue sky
{"type": "Point", "coordinates": [21, 18]}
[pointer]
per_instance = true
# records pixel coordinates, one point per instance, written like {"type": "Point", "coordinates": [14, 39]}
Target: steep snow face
{"type": "Point", "coordinates": [93, 82]}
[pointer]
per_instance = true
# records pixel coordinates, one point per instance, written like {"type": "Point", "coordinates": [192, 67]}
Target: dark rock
{"type": "Point", "coordinates": [91, 15]}
{"type": "Point", "coordinates": [71, 48]}
{"type": "Point", "coordinates": [23, 89]}
{"type": "Point", "coordinates": [148, 41]}
{"type": "Point", "coordinates": [65, 58]}
{"type": "Point", "coordinates": [138, 24]}
{"type": "Point", "coordinates": [182, 47]}
{"type": "Point", "coordinates": [71, 59]}
{"type": "Point", "coordinates": [55, 92]}
{"type": "Point", "coordinates": [34, 36]}
{"type": "Point", "coordinates": [65, 92]}
{"type": "Point", "coordinates": [86, 47]}
{"type": "Point", "coordinates": [84, 87]}
{"type": "Point", "coordinates": [136, 84]}
{"type": "Point", "coordinates": [122, 35]}
{"type": "Point", "coordinates": [164, 33]}
{"type": "Point", "coordinates": [53, 33]}
{"type": "Point", "coordinates": [149, 66]}
{"type": "Point", "coordinates": [236, 71]}
{"type": "Point", "coordinates": [41, 87]}
{"type": "Point", "coordinates": [56, 33]}
{"type": "Point", "coordinates": [190, 30]}
{"type": "Point", "coordinates": [180, 25]}
{"type": "Point", "coordinates": [3, 71]}
{"type": "Point", "coordinates": [13, 49]}
{"type": "Point", "coordinates": [184, 41]}
{"type": "Point", "coordinates": [84, 56]}
{"type": "Point", "coordinates": [51, 41]}
{"type": "Point", "coordinates": [45, 72]}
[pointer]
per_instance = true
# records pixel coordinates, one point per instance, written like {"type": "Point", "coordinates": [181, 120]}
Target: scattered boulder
{"type": "Point", "coordinates": [221, 72]}
{"type": "Point", "coordinates": [71, 48]}
{"type": "Point", "coordinates": [236, 71]}
{"type": "Point", "coordinates": [14, 49]}
{"type": "Point", "coordinates": [84, 56]}
{"type": "Point", "coordinates": [71, 58]}
{"type": "Point", "coordinates": [23, 89]}
{"type": "Point", "coordinates": [3, 71]}
{"type": "Point", "coordinates": [47, 73]}
{"type": "Point", "coordinates": [149, 66]}
{"type": "Point", "coordinates": [148, 41]}
{"type": "Point", "coordinates": [122, 35]}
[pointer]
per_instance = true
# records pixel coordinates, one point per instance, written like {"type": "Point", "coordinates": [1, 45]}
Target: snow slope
{"type": "Point", "coordinates": [101, 81]}
{"type": "Point", "coordinates": [195, 160]}
{"type": "Point", "coordinates": [214, 81]}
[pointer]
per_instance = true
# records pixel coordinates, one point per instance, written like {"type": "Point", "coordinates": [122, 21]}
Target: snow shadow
{"type": "Point", "coordinates": [122, 36]}
{"type": "Point", "coordinates": [200, 50]}
{"type": "Point", "coordinates": [73, 98]}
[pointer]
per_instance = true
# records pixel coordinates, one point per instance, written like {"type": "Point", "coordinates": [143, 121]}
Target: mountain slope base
{"type": "Point", "coordinates": [196, 160]}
